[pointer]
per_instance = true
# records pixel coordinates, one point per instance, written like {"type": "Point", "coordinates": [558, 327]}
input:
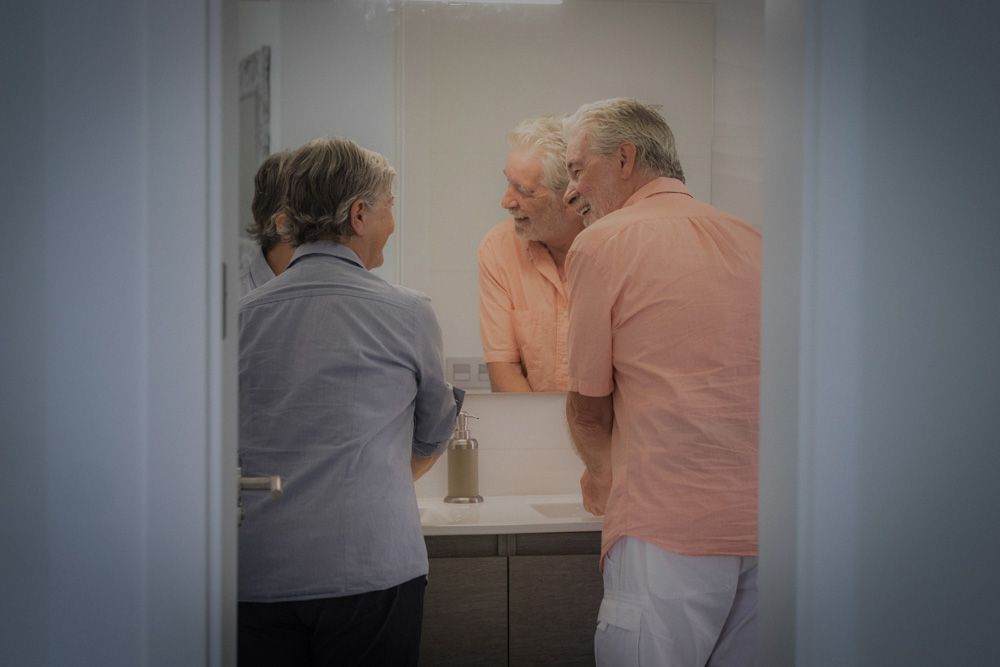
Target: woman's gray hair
{"type": "Point", "coordinates": [543, 137]}
{"type": "Point", "coordinates": [610, 123]}
{"type": "Point", "coordinates": [325, 177]}
{"type": "Point", "coordinates": [268, 191]}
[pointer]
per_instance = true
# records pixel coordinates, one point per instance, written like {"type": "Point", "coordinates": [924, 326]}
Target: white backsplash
{"type": "Point", "coordinates": [524, 447]}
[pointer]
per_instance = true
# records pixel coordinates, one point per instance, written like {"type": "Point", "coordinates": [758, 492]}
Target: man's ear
{"type": "Point", "coordinates": [281, 225]}
{"type": "Point", "coordinates": [359, 216]}
{"type": "Point", "coordinates": [626, 159]}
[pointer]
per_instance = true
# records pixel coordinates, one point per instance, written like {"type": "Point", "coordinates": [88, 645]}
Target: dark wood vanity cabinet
{"type": "Point", "coordinates": [465, 612]}
{"type": "Point", "coordinates": [511, 600]}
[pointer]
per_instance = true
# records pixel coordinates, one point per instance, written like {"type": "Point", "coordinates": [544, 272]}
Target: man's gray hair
{"type": "Point", "coordinates": [610, 123]}
{"type": "Point", "coordinates": [268, 192]}
{"type": "Point", "coordinates": [543, 137]}
{"type": "Point", "coordinates": [325, 177]}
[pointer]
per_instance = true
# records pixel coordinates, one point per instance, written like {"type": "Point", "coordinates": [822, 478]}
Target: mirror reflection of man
{"type": "Point", "coordinates": [523, 307]}
{"type": "Point", "coordinates": [268, 224]}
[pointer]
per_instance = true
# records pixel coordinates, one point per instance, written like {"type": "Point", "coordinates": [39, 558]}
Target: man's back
{"type": "Point", "coordinates": [668, 290]}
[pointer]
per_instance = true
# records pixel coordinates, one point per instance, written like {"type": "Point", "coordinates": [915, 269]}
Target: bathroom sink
{"type": "Point", "coordinates": [459, 514]}
{"type": "Point", "coordinates": [507, 514]}
{"type": "Point", "coordinates": [562, 510]}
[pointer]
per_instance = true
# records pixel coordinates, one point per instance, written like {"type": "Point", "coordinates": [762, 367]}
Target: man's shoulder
{"type": "Point", "coordinates": [382, 294]}
{"type": "Point", "coordinates": [656, 209]}
{"type": "Point", "coordinates": [673, 205]}
{"type": "Point", "coordinates": [251, 293]}
{"type": "Point", "coordinates": [597, 233]}
{"type": "Point", "coordinates": [409, 296]}
{"type": "Point", "coordinates": [332, 282]}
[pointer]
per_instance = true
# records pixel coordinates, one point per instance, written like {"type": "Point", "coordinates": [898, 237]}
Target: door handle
{"type": "Point", "coordinates": [271, 483]}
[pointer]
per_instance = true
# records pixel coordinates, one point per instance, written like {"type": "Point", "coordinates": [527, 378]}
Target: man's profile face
{"type": "Point", "coordinates": [383, 225]}
{"type": "Point", "coordinates": [537, 209]}
{"type": "Point", "coordinates": [593, 180]}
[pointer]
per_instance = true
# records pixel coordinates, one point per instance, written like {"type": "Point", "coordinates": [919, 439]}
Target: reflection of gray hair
{"type": "Point", "coordinates": [610, 123]}
{"type": "Point", "coordinates": [325, 177]}
{"type": "Point", "coordinates": [543, 137]}
{"type": "Point", "coordinates": [268, 189]}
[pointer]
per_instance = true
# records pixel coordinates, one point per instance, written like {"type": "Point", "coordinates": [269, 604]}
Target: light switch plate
{"type": "Point", "coordinates": [467, 373]}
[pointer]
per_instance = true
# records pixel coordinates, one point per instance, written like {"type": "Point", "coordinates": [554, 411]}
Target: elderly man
{"type": "Point", "coordinates": [523, 313]}
{"type": "Point", "coordinates": [341, 394]}
{"type": "Point", "coordinates": [664, 361]}
{"type": "Point", "coordinates": [268, 220]}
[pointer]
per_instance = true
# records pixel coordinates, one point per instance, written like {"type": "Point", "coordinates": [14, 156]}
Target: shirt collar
{"type": "Point", "coordinates": [542, 260]}
{"type": "Point", "coordinates": [658, 186]}
{"type": "Point", "coordinates": [537, 251]}
{"type": "Point", "coordinates": [331, 248]}
{"type": "Point", "coordinates": [260, 270]}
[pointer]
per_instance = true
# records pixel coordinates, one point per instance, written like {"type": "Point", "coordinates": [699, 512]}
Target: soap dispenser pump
{"type": "Point", "coordinates": [463, 464]}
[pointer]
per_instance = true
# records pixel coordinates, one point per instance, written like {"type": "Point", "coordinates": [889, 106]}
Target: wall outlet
{"type": "Point", "coordinates": [467, 373]}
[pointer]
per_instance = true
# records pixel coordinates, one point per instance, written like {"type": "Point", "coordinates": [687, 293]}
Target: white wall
{"type": "Point", "coordinates": [111, 329]}
{"type": "Point", "coordinates": [881, 526]}
{"type": "Point", "coordinates": [529, 455]}
{"type": "Point", "coordinates": [737, 146]}
{"type": "Point", "coordinates": [24, 452]}
{"type": "Point", "coordinates": [784, 309]}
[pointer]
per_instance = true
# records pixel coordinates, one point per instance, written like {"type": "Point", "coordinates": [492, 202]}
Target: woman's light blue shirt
{"type": "Point", "coordinates": [341, 380]}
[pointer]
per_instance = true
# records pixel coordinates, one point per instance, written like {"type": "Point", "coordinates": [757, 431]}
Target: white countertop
{"type": "Point", "coordinates": [498, 515]}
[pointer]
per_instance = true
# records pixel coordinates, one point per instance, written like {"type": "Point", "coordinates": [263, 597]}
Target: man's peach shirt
{"type": "Point", "coordinates": [664, 298]}
{"type": "Point", "coordinates": [523, 308]}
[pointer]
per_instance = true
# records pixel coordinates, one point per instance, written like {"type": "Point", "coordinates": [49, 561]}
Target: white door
{"type": "Point", "coordinates": [117, 389]}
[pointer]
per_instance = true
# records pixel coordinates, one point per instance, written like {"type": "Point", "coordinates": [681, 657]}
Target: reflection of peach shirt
{"type": "Point", "coordinates": [665, 314]}
{"type": "Point", "coordinates": [523, 313]}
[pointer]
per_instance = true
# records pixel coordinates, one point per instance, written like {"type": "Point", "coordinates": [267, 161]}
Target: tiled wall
{"type": "Point", "coordinates": [524, 447]}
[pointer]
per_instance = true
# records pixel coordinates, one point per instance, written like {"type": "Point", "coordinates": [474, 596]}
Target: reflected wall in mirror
{"type": "Point", "coordinates": [435, 87]}
{"type": "Point", "coordinates": [254, 137]}
{"type": "Point", "coordinates": [469, 74]}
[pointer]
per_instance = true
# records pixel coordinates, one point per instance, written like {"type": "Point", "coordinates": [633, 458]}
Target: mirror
{"type": "Point", "coordinates": [435, 87]}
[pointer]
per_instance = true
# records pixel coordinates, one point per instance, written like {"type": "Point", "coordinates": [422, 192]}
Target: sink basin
{"type": "Point", "coordinates": [562, 510]}
{"type": "Point", "coordinates": [453, 515]}
{"type": "Point", "coordinates": [507, 514]}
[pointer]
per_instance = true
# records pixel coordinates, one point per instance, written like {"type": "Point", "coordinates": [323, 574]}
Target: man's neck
{"type": "Point", "coordinates": [278, 256]}
{"type": "Point", "coordinates": [558, 252]}
{"type": "Point", "coordinates": [559, 248]}
{"type": "Point", "coordinates": [638, 181]}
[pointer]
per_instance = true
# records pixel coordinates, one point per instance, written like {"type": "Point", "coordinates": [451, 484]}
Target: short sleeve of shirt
{"type": "Point", "coordinates": [591, 300]}
{"type": "Point", "coordinates": [496, 326]}
{"type": "Point", "coordinates": [437, 402]}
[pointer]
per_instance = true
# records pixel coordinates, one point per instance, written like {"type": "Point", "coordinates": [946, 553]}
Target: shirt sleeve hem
{"type": "Point", "coordinates": [502, 357]}
{"type": "Point", "coordinates": [593, 389]}
{"type": "Point", "coordinates": [427, 449]}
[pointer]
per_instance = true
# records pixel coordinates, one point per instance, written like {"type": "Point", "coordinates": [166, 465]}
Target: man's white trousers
{"type": "Point", "coordinates": [661, 609]}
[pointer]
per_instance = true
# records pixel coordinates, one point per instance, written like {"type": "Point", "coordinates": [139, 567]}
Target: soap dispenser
{"type": "Point", "coordinates": [463, 464]}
